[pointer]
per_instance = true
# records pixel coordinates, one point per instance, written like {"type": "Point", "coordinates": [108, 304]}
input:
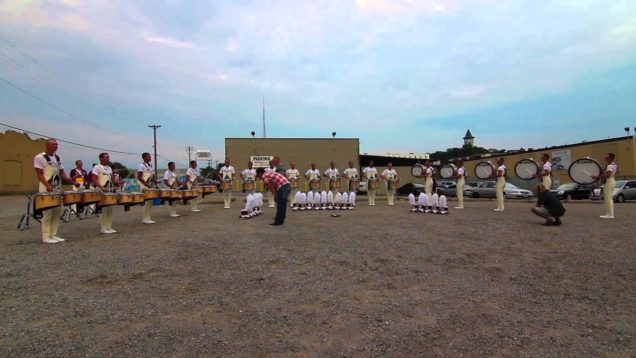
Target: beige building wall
{"type": "Point", "coordinates": [16, 162]}
{"type": "Point", "coordinates": [623, 148]}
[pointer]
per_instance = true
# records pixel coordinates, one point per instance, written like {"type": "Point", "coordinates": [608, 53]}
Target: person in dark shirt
{"type": "Point", "coordinates": [549, 206]}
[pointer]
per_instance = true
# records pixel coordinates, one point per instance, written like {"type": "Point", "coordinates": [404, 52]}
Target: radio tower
{"type": "Point", "coordinates": [264, 128]}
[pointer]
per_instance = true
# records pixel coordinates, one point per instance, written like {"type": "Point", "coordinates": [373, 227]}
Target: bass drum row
{"type": "Point", "coordinates": [582, 171]}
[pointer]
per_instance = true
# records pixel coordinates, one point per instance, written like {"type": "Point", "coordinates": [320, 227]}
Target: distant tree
{"type": "Point", "coordinates": [123, 171]}
{"type": "Point", "coordinates": [466, 150]}
{"type": "Point", "coordinates": [210, 172]}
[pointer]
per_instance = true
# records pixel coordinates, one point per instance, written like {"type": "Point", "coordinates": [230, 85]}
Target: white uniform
{"type": "Point", "coordinates": [104, 175]}
{"type": "Point", "coordinates": [249, 175]}
{"type": "Point", "coordinates": [370, 173]}
{"type": "Point", "coordinates": [332, 174]}
{"type": "Point", "coordinates": [292, 174]}
{"type": "Point", "coordinates": [461, 182]}
{"type": "Point", "coordinates": [428, 183]}
{"type": "Point", "coordinates": [389, 175]}
{"type": "Point", "coordinates": [50, 217]}
{"type": "Point", "coordinates": [227, 173]}
{"type": "Point", "coordinates": [171, 178]}
{"type": "Point", "coordinates": [608, 190]}
{"type": "Point", "coordinates": [313, 174]}
{"type": "Point", "coordinates": [547, 179]}
{"type": "Point", "coordinates": [350, 173]}
{"type": "Point", "coordinates": [146, 170]}
{"type": "Point", "coordinates": [270, 196]}
{"type": "Point", "coordinates": [500, 186]}
{"type": "Point", "coordinates": [191, 178]}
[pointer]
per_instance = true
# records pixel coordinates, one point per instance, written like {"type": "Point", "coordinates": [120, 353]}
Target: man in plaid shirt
{"type": "Point", "coordinates": [279, 186]}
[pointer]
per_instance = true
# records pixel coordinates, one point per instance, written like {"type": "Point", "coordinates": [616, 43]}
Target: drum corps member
{"type": "Point", "coordinates": [390, 175]}
{"type": "Point", "coordinates": [191, 178]}
{"type": "Point", "coordinates": [145, 177]}
{"type": "Point", "coordinates": [313, 175]}
{"type": "Point", "coordinates": [103, 180]}
{"type": "Point", "coordinates": [500, 184]}
{"type": "Point", "coordinates": [371, 174]}
{"type": "Point", "coordinates": [610, 184]}
{"type": "Point", "coordinates": [351, 174]}
{"type": "Point", "coordinates": [279, 185]}
{"type": "Point", "coordinates": [429, 171]}
{"type": "Point", "coordinates": [49, 171]}
{"type": "Point", "coordinates": [248, 176]}
{"type": "Point", "coordinates": [546, 171]}
{"type": "Point", "coordinates": [170, 181]}
{"type": "Point", "coordinates": [292, 175]}
{"type": "Point", "coordinates": [79, 176]}
{"type": "Point", "coordinates": [226, 174]}
{"type": "Point", "coordinates": [549, 206]}
{"type": "Point", "coordinates": [270, 196]}
{"type": "Point", "coordinates": [332, 173]}
{"type": "Point", "coordinates": [461, 181]}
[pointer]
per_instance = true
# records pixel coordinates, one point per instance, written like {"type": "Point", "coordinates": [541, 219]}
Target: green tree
{"type": "Point", "coordinates": [123, 171]}
{"type": "Point", "coordinates": [209, 172]}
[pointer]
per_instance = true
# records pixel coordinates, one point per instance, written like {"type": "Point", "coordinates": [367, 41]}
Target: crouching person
{"type": "Point", "coordinates": [548, 206]}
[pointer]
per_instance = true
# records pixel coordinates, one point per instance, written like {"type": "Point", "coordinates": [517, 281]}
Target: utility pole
{"type": "Point", "coordinates": [154, 130]}
{"type": "Point", "coordinates": [189, 150]}
{"type": "Point", "coordinates": [264, 127]}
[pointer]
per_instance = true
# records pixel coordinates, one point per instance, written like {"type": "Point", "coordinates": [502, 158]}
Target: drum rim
{"type": "Point", "coordinates": [446, 166]}
{"type": "Point", "coordinates": [600, 169]}
{"type": "Point", "coordinates": [526, 160]}
{"type": "Point", "coordinates": [484, 164]}
{"type": "Point", "coordinates": [419, 166]}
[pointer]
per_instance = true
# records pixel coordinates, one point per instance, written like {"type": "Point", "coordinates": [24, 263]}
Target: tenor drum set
{"type": "Point", "coordinates": [334, 183]}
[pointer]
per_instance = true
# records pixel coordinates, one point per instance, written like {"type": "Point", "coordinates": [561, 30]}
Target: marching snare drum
{"type": "Point", "coordinates": [125, 198]}
{"type": "Point", "coordinates": [354, 184]}
{"type": "Point", "coordinates": [484, 170]}
{"type": "Point", "coordinates": [294, 183]}
{"type": "Point", "coordinates": [150, 194]}
{"type": "Point", "coordinates": [417, 170]}
{"type": "Point", "coordinates": [45, 201]}
{"type": "Point", "coordinates": [582, 171]}
{"type": "Point", "coordinates": [374, 184]}
{"type": "Point", "coordinates": [334, 184]}
{"type": "Point", "coordinates": [526, 169]}
{"type": "Point", "coordinates": [108, 199]}
{"type": "Point", "coordinates": [447, 171]}
{"type": "Point", "coordinates": [226, 185]}
{"type": "Point", "coordinates": [314, 184]}
{"type": "Point", "coordinates": [249, 185]}
{"type": "Point", "coordinates": [71, 197]}
{"type": "Point", "coordinates": [393, 184]}
{"type": "Point", "coordinates": [91, 196]}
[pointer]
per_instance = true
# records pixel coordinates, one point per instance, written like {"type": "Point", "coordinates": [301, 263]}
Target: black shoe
{"type": "Point", "coordinates": [274, 224]}
{"type": "Point", "coordinates": [548, 223]}
{"type": "Point", "coordinates": [557, 221]}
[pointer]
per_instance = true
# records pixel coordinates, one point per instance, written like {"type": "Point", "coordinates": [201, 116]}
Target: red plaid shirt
{"type": "Point", "coordinates": [276, 179]}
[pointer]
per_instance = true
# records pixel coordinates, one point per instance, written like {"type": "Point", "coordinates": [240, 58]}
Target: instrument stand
{"type": "Point", "coordinates": [24, 220]}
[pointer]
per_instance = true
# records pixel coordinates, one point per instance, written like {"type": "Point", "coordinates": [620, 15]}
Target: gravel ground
{"type": "Point", "coordinates": [378, 281]}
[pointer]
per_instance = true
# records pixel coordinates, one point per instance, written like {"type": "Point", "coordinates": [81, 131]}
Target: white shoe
{"type": "Point", "coordinates": [459, 207]}
{"type": "Point", "coordinates": [226, 207]}
{"type": "Point", "coordinates": [498, 209]}
{"type": "Point", "coordinates": [108, 231]}
{"type": "Point", "coordinates": [174, 215]}
{"type": "Point", "coordinates": [49, 240]}
{"type": "Point", "coordinates": [147, 221]}
{"type": "Point", "coordinates": [606, 217]}
{"type": "Point", "coordinates": [195, 210]}
{"type": "Point", "coordinates": [57, 238]}
{"type": "Point", "coordinates": [271, 206]}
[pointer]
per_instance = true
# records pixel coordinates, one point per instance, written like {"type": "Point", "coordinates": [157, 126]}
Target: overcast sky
{"type": "Point", "coordinates": [406, 76]}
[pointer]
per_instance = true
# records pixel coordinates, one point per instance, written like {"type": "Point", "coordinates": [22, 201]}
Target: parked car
{"type": "Point", "coordinates": [409, 188]}
{"type": "Point", "coordinates": [625, 190]}
{"type": "Point", "coordinates": [448, 188]}
{"type": "Point", "coordinates": [572, 191]}
{"type": "Point", "coordinates": [486, 189]}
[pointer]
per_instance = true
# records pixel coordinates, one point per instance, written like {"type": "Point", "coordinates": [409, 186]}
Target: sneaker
{"type": "Point", "coordinates": [557, 221]}
{"type": "Point", "coordinates": [548, 223]}
{"type": "Point", "coordinates": [226, 207]}
{"type": "Point", "coordinates": [174, 215]}
{"type": "Point", "coordinates": [57, 238]}
{"type": "Point", "coordinates": [49, 240]}
{"type": "Point", "coordinates": [195, 210]}
{"type": "Point", "coordinates": [498, 209]}
{"type": "Point", "coordinates": [459, 207]}
{"type": "Point", "coordinates": [147, 221]}
{"type": "Point", "coordinates": [606, 217]}
{"type": "Point", "coordinates": [108, 231]}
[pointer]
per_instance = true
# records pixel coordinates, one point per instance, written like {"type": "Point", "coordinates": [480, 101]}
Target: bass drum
{"type": "Point", "coordinates": [447, 171]}
{"type": "Point", "coordinates": [484, 170]}
{"type": "Point", "coordinates": [582, 171]}
{"type": "Point", "coordinates": [417, 170]}
{"type": "Point", "coordinates": [526, 169]}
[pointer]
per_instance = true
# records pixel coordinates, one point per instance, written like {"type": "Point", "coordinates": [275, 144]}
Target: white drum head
{"type": "Point", "coordinates": [484, 170]}
{"type": "Point", "coordinates": [526, 169]}
{"type": "Point", "coordinates": [581, 171]}
{"type": "Point", "coordinates": [447, 171]}
{"type": "Point", "coordinates": [417, 170]}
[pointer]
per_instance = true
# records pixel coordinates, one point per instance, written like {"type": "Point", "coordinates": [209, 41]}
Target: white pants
{"type": "Point", "coordinates": [147, 210]}
{"type": "Point", "coordinates": [547, 182]}
{"type": "Point", "coordinates": [608, 191]}
{"type": "Point", "coordinates": [460, 192]}
{"type": "Point", "coordinates": [428, 187]}
{"type": "Point", "coordinates": [390, 194]}
{"type": "Point", "coordinates": [173, 208]}
{"type": "Point", "coordinates": [292, 196]}
{"type": "Point", "coordinates": [51, 222]}
{"type": "Point", "coordinates": [270, 199]}
{"type": "Point", "coordinates": [501, 184]}
{"type": "Point", "coordinates": [106, 219]}
{"type": "Point", "coordinates": [371, 194]}
{"type": "Point", "coordinates": [194, 203]}
{"type": "Point", "coordinates": [227, 198]}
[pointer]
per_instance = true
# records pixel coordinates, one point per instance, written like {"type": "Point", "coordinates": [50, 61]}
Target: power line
{"type": "Point", "coordinates": [69, 142]}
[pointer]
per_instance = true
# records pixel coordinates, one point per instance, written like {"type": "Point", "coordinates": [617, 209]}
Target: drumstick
{"type": "Point", "coordinates": [586, 172]}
